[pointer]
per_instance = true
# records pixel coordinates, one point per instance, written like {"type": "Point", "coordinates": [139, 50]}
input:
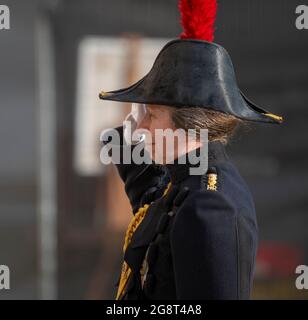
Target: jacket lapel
{"type": "Point", "coordinates": [143, 236]}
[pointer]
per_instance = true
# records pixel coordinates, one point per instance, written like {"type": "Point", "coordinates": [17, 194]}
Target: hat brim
{"type": "Point", "coordinates": [196, 74]}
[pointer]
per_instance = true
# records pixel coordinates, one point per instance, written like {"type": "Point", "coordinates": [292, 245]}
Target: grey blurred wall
{"type": "Point", "coordinates": [18, 159]}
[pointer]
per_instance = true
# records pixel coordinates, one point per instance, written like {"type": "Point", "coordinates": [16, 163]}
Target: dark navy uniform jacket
{"type": "Point", "coordinates": [200, 245]}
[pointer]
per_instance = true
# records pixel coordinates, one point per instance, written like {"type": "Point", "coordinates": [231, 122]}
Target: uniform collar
{"type": "Point", "coordinates": [179, 171]}
{"type": "Point", "coordinates": [144, 234]}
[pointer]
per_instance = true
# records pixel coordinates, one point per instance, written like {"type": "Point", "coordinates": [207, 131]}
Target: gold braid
{"type": "Point", "coordinates": [132, 227]}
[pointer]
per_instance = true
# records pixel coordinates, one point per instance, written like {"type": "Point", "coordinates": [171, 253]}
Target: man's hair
{"type": "Point", "coordinates": [220, 126]}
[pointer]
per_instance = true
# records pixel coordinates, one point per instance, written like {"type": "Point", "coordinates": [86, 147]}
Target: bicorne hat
{"type": "Point", "coordinates": [194, 72]}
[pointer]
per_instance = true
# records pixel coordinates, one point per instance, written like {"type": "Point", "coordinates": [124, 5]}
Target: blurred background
{"type": "Point", "coordinates": [63, 214]}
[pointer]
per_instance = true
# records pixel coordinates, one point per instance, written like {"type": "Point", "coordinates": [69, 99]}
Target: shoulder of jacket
{"type": "Point", "coordinates": [199, 202]}
{"type": "Point", "coordinates": [210, 199]}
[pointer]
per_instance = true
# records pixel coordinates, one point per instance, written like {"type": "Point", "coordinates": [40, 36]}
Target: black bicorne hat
{"type": "Point", "coordinates": [193, 73]}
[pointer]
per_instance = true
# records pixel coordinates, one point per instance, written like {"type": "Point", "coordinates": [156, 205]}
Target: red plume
{"type": "Point", "coordinates": [197, 19]}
